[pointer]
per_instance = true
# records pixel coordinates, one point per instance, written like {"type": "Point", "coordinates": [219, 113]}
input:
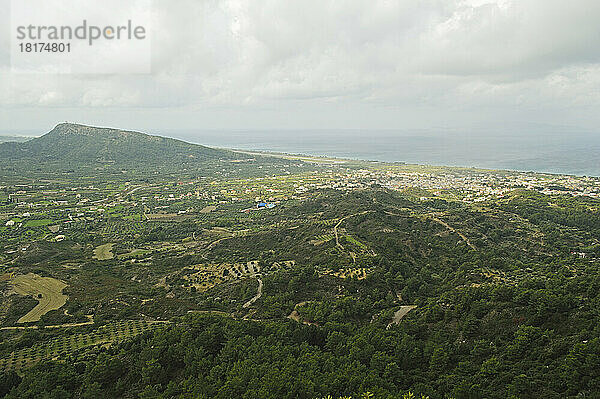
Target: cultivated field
{"type": "Point", "coordinates": [166, 217]}
{"type": "Point", "coordinates": [206, 276]}
{"type": "Point", "coordinates": [62, 346]}
{"type": "Point", "coordinates": [359, 273]}
{"type": "Point", "coordinates": [46, 290]}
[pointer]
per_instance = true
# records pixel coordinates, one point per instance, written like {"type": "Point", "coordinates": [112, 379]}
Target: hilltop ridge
{"type": "Point", "coordinates": [71, 146]}
{"type": "Point", "coordinates": [66, 128]}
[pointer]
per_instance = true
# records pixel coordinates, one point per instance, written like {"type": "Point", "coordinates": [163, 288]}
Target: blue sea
{"type": "Point", "coordinates": [552, 150]}
{"type": "Point", "coordinates": [539, 148]}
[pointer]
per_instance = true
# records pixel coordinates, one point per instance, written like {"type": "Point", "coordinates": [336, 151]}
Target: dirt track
{"type": "Point", "coordinates": [256, 297]}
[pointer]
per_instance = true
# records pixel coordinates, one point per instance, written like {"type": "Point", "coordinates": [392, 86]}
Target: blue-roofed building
{"type": "Point", "coordinates": [262, 205]}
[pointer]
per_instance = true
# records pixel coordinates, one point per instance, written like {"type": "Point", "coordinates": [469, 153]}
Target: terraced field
{"type": "Point", "coordinates": [117, 228]}
{"type": "Point", "coordinates": [206, 276]}
{"type": "Point", "coordinates": [46, 290]}
{"type": "Point", "coordinates": [322, 239]}
{"type": "Point", "coordinates": [359, 273]}
{"type": "Point", "coordinates": [354, 241]}
{"type": "Point", "coordinates": [60, 347]}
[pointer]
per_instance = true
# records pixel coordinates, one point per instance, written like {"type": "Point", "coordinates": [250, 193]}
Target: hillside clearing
{"type": "Point", "coordinates": [400, 313]}
{"type": "Point", "coordinates": [104, 252]}
{"type": "Point", "coordinates": [46, 290]}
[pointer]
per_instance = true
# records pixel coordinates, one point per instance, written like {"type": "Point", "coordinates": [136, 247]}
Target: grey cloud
{"type": "Point", "coordinates": [396, 60]}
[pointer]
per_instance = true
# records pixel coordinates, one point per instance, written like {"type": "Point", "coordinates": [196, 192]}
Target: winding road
{"type": "Point", "coordinates": [335, 228]}
{"type": "Point", "coordinates": [255, 297]}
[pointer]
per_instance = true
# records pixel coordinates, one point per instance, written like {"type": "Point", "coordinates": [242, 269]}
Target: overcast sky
{"type": "Point", "coordinates": [372, 64]}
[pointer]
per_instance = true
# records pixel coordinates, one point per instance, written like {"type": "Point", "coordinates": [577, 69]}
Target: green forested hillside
{"type": "Point", "coordinates": [500, 310]}
{"type": "Point", "coordinates": [78, 144]}
{"type": "Point", "coordinates": [134, 266]}
{"type": "Point", "coordinates": [79, 149]}
{"type": "Point", "coordinates": [17, 139]}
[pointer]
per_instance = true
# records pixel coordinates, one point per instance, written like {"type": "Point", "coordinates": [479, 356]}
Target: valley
{"type": "Point", "coordinates": [352, 276]}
